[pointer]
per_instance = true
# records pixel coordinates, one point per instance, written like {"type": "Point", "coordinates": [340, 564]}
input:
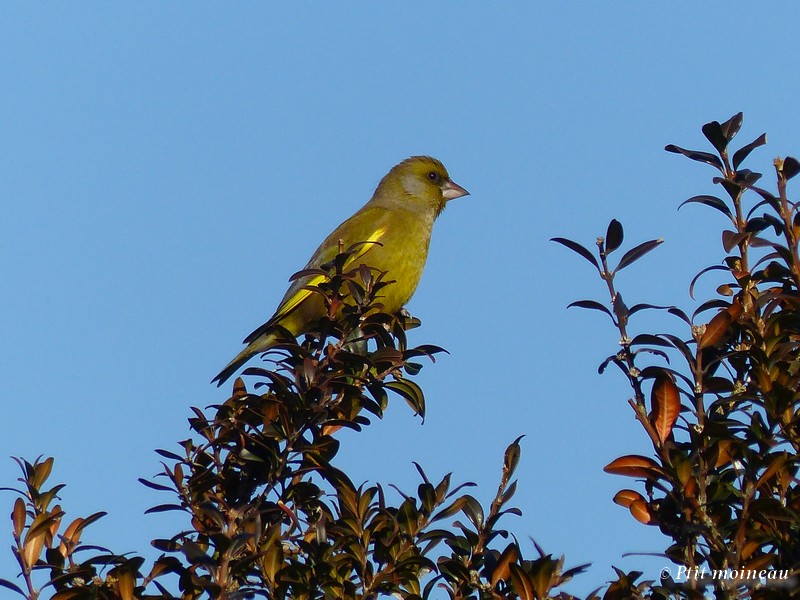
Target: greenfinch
{"type": "Point", "coordinates": [396, 227]}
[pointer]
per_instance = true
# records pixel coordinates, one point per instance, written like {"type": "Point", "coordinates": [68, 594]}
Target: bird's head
{"type": "Point", "coordinates": [420, 182]}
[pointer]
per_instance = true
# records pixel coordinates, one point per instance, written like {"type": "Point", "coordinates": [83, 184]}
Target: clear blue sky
{"type": "Point", "coordinates": [165, 167]}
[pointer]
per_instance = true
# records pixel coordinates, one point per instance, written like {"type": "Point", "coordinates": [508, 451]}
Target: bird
{"type": "Point", "coordinates": [392, 232]}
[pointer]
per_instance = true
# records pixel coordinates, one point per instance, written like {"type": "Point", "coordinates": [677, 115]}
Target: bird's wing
{"type": "Point", "coordinates": [365, 226]}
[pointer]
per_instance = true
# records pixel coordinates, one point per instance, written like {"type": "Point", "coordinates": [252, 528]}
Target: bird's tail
{"type": "Point", "coordinates": [261, 344]}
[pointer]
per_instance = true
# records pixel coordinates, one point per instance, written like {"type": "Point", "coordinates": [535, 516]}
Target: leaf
{"type": "Point", "coordinates": [633, 465]}
{"type": "Point", "coordinates": [701, 273]}
{"type": "Point", "coordinates": [718, 326]}
{"type": "Point", "coordinates": [163, 508]}
{"type": "Point", "coordinates": [712, 201]}
{"type": "Point", "coordinates": [412, 394]}
{"type": "Point", "coordinates": [511, 457]}
{"type": "Point", "coordinates": [154, 486]}
{"type": "Point", "coordinates": [627, 497]}
{"type": "Point", "coordinates": [731, 239]}
{"type": "Point", "coordinates": [734, 189]}
{"type": "Point", "coordinates": [777, 463]}
{"type": "Point", "coordinates": [18, 517]}
{"type": "Point", "coordinates": [732, 126]}
{"type": "Point", "coordinates": [704, 157]}
{"type": "Point", "coordinates": [744, 151]}
{"type": "Point", "coordinates": [791, 167]}
{"type": "Point", "coordinates": [714, 134]}
{"type": "Point", "coordinates": [650, 339]}
{"type": "Point", "coordinates": [502, 569]}
{"type": "Point", "coordinates": [522, 583]}
{"type": "Point", "coordinates": [641, 512]}
{"type": "Point", "coordinates": [473, 510]}
{"type": "Point", "coordinates": [576, 247]}
{"type": "Point", "coordinates": [591, 304]}
{"type": "Point", "coordinates": [665, 401]}
{"type": "Point", "coordinates": [614, 236]}
{"type": "Point", "coordinates": [7, 584]}
{"type": "Point", "coordinates": [169, 455]}
{"type": "Point", "coordinates": [636, 253]}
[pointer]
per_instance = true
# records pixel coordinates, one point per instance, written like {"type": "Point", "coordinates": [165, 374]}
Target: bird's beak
{"type": "Point", "coordinates": [452, 190]}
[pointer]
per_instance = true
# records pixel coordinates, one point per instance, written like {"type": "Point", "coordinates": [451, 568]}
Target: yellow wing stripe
{"type": "Point", "coordinates": [298, 298]}
{"type": "Point", "coordinates": [367, 245]}
{"type": "Point", "coordinates": [302, 294]}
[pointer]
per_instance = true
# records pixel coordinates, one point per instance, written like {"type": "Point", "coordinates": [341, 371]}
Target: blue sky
{"type": "Point", "coordinates": [165, 167]}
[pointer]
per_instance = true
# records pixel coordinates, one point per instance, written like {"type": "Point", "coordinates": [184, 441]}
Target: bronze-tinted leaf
{"type": "Point", "coordinates": [126, 583]}
{"type": "Point", "coordinates": [730, 239]}
{"type": "Point", "coordinates": [777, 463]}
{"type": "Point", "coordinates": [791, 167]}
{"type": "Point", "coordinates": [412, 394]}
{"type": "Point", "coordinates": [665, 402]}
{"type": "Point", "coordinates": [711, 201]}
{"type": "Point", "coordinates": [511, 456]}
{"type": "Point", "coordinates": [42, 471]}
{"type": "Point", "coordinates": [732, 126]}
{"type": "Point", "coordinates": [502, 570]}
{"type": "Point", "coordinates": [18, 517]}
{"type": "Point", "coordinates": [744, 151]}
{"type": "Point", "coordinates": [636, 253]}
{"type": "Point", "coordinates": [590, 304]}
{"type": "Point", "coordinates": [704, 157]}
{"type": "Point", "coordinates": [718, 326]}
{"type": "Point", "coordinates": [633, 465]}
{"type": "Point", "coordinates": [641, 512]}
{"type": "Point", "coordinates": [522, 583]}
{"type": "Point", "coordinates": [576, 247]}
{"type": "Point", "coordinates": [614, 236]}
{"type": "Point", "coordinates": [33, 544]}
{"type": "Point", "coordinates": [714, 134]}
{"type": "Point", "coordinates": [734, 189]}
{"type": "Point", "coordinates": [627, 497]}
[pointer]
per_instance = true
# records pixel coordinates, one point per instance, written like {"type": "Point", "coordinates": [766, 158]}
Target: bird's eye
{"type": "Point", "coordinates": [433, 176]}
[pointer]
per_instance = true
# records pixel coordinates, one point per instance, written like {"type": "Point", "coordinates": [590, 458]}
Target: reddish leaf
{"type": "Point", "coordinates": [522, 582]}
{"type": "Point", "coordinates": [502, 571]}
{"type": "Point", "coordinates": [665, 401]}
{"type": "Point", "coordinates": [627, 497]}
{"type": "Point", "coordinates": [730, 239]}
{"type": "Point", "coordinates": [718, 326]}
{"type": "Point", "coordinates": [633, 465]}
{"type": "Point", "coordinates": [18, 517]}
{"type": "Point", "coordinates": [778, 463]}
{"type": "Point", "coordinates": [641, 512]}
